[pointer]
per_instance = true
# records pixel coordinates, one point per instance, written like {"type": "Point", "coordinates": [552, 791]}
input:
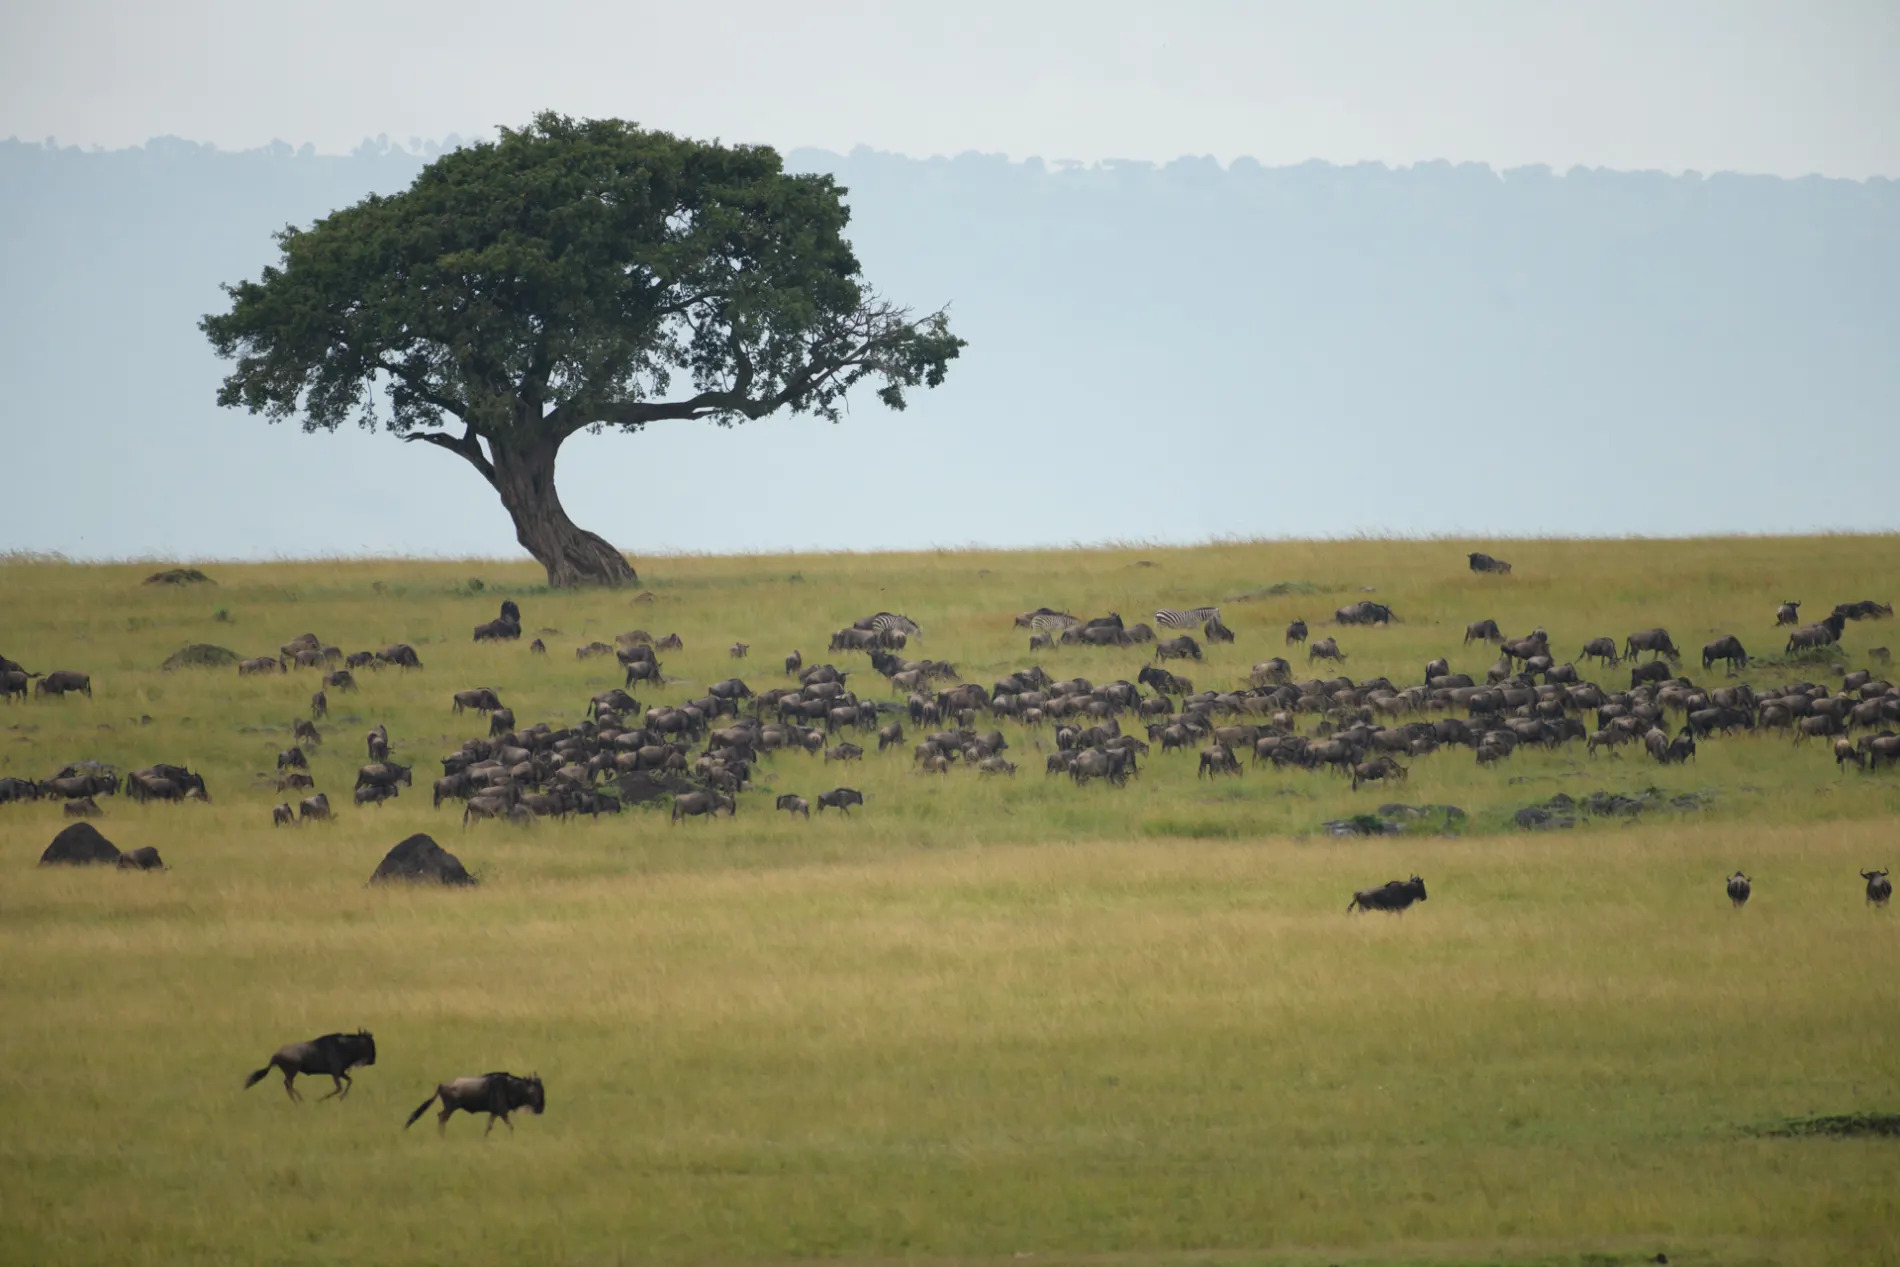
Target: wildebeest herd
{"type": "Point", "coordinates": [702, 754]}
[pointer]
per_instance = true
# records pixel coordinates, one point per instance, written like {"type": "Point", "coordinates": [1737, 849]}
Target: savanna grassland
{"type": "Point", "coordinates": [981, 1019]}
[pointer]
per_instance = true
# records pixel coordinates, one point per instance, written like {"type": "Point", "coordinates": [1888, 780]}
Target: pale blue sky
{"type": "Point", "coordinates": [1747, 85]}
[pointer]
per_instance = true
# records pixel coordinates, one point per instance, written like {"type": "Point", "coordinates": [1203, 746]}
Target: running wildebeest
{"type": "Point", "coordinates": [1879, 887]}
{"type": "Point", "coordinates": [840, 799]}
{"type": "Point", "coordinates": [1296, 632]}
{"type": "Point", "coordinates": [332, 1054]}
{"type": "Point", "coordinates": [496, 1094]}
{"type": "Point", "coordinates": [1392, 897]}
{"type": "Point", "coordinates": [1739, 887]}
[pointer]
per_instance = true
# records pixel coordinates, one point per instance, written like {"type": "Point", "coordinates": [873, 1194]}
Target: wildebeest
{"type": "Point", "coordinates": [13, 682]}
{"type": "Point", "coordinates": [840, 799]}
{"type": "Point", "coordinates": [332, 1054]}
{"type": "Point", "coordinates": [1181, 648]}
{"type": "Point", "coordinates": [19, 790]}
{"type": "Point", "coordinates": [1728, 648]}
{"type": "Point", "coordinates": [376, 742]}
{"type": "Point", "coordinates": [1655, 641]}
{"type": "Point", "coordinates": [496, 1094]}
{"type": "Point", "coordinates": [538, 647]}
{"type": "Point", "coordinates": [281, 815]}
{"type": "Point", "coordinates": [1485, 563]}
{"type": "Point", "coordinates": [1865, 609]}
{"type": "Point", "coordinates": [794, 662]}
{"type": "Point", "coordinates": [384, 774]}
{"type": "Point", "coordinates": [1879, 887]}
{"type": "Point", "coordinates": [342, 680]}
{"type": "Point", "coordinates": [1483, 631]}
{"type": "Point", "coordinates": [319, 705]}
{"type": "Point", "coordinates": [1217, 759]}
{"type": "Point", "coordinates": [1296, 632]}
{"type": "Point", "coordinates": [794, 804]}
{"type": "Point", "coordinates": [1739, 887]}
{"type": "Point", "coordinates": [499, 630]}
{"type": "Point", "coordinates": [317, 806]}
{"type": "Point", "coordinates": [292, 757]}
{"type": "Point", "coordinates": [1363, 612]}
{"type": "Point", "coordinates": [84, 807]}
{"type": "Point", "coordinates": [1392, 897]}
{"type": "Point", "coordinates": [1377, 769]}
{"type": "Point", "coordinates": [1789, 613]}
{"type": "Point", "coordinates": [704, 803]}
{"type": "Point", "coordinates": [738, 650]}
{"type": "Point", "coordinates": [259, 664]}
{"type": "Point", "coordinates": [1324, 649]}
{"type": "Point", "coordinates": [1825, 634]}
{"type": "Point", "coordinates": [1213, 630]}
{"type": "Point", "coordinates": [60, 681]}
{"type": "Point", "coordinates": [306, 732]}
{"type": "Point", "coordinates": [671, 642]}
{"type": "Point", "coordinates": [373, 794]}
{"type": "Point", "coordinates": [481, 698]}
{"type": "Point", "coordinates": [1654, 671]}
{"type": "Point", "coordinates": [1603, 649]}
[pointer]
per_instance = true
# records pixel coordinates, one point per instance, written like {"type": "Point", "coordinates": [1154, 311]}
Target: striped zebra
{"type": "Point", "coordinates": [1057, 621]}
{"type": "Point", "coordinates": [1187, 619]}
{"type": "Point", "coordinates": [885, 622]}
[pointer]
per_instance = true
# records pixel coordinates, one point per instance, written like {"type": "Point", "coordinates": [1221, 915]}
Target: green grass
{"type": "Point", "coordinates": [980, 1019]}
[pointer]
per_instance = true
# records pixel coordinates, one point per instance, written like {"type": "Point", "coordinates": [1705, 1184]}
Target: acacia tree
{"type": "Point", "coordinates": [572, 275]}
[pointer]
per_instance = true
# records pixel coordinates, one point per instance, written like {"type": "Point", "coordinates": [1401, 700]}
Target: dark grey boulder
{"type": "Point", "coordinates": [80, 845]}
{"type": "Point", "coordinates": [419, 858]}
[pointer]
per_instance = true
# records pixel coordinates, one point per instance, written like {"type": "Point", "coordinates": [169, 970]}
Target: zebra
{"type": "Point", "coordinates": [1047, 621]}
{"type": "Point", "coordinates": [1188, 619]}
{"type": "Point", "coordinates": [893, 622]}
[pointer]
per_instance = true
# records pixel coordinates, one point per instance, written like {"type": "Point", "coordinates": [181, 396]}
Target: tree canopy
{"type": "Point", "coordinates": [571, 275]}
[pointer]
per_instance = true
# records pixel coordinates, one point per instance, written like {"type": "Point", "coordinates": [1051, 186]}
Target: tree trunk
{"type": "Point", "coordinates": [572, 555]}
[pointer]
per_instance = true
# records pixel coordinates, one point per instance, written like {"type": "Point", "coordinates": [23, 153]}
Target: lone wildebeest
{"type": "Point", "coordinates": [1728, 647]}
{"type": "Point", "coordinates": [1392, 897]}
{"type": "Point", "coordinates": [840, 799]}
{"type": "Point", "coordinates": [1739, 887]}
{"type": "Point", "coordinates": [1485, 563]}
{"type": "Point", "coordinates": [1879, 887]}
{"type": "Point", "coordinates": [496, 1094]}
{"type": "Point", "coordinates": [332, 1054]}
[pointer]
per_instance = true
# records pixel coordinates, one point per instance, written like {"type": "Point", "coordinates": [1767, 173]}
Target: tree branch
{"type": "Point", "coordinates": [467, 447]}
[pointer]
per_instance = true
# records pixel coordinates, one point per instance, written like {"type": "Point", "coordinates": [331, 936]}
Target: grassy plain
{"type": "Point", "coordinates": [980, 1019]}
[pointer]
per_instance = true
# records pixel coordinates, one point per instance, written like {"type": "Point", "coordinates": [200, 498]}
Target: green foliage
{"type": "Point", "coordinates": [571, 275]}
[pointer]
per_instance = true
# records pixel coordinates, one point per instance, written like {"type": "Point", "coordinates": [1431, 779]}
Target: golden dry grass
{"type": "Point", "coordinates": [978, 1020]}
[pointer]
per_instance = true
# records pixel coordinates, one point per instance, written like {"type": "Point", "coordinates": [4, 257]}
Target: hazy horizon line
{"type": "Point", "coordinates": [383, 145]}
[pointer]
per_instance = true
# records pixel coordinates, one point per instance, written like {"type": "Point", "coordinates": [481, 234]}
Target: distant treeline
{"type": "Point", "coordinates": [1425, 336]}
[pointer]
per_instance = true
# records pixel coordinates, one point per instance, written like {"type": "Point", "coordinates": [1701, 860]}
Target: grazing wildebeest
{"type": "Point", "coordinates": [60, 681]}
{"type": "Point", "coordinates": [794, 804]}
{"type": "Point", "coordinates": [500, 722]}
{"type": "Point", "coordinates": [840, 799]}
{"type": "Point", "coordinates": [306, 732]}
{"type": "Point", "coordinates": [1728, 647]}
{"type": "Point", "coordinates": [1296, 632]}
{"type": "Point", "coordinates": [332, 1054]}
{"type": "Point", "coordinates": [1181, 648]}
{"type": "Point", "coordinates": [1879, 887]}
{"type": "Point", "coordinates": [1377, 769]}
{"type": "Point", "coordinates": [481, 698]}
{"type": "Point", "coordinates": [1363, 612]}
{"type": "Point", "coordinates": [538, 647]}
{"type": "Point", "coordinates": [317, 806]}
{"type": "Point", "coordinates": [1392, 897]}
{"type": "Point", "coordinates": [293, 780]}
{"type": "Point", "coordinates": [1483, 631]}
{"type": "Point", "coordinates": [1845, 751]}
{"type": "Point", "coordinates": [1324, 649]}
{"type": "Point", "coordinates": [84, 807]}
{"type": "Point", "coordinates": [1789, 613]}
{"type": "Point", "coordinates": [1215, 631]}
{"type": "Point", "coordinates": [1217, 759]}
{"type": "Point", "coordinates": [1603, 649]}
{"type": "Point", "coordinates": [342, 680]}
{"type": "Point", "coordinates": [1485, 563]}
{"type": "Point", "coordinates": [281, 816]}
{"type": "Point", "coordinates": [1655, 641]}
{"type": "Point", "coordinates": [259, 664]}
{"type": "Point", "coordinates": [1739, 886]}
{"type": "Point", "coordinates": [705, 803]}
{"type": "Point", "coordinates": [496, 1094]}
{"type": "Point", "coordinates": [1654, 671]}
{"type": "Point", "coordinates": [671, 642]}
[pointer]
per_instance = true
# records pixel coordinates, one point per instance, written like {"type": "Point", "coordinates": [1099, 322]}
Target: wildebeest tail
{"type": "Point", "coordinates": [256, 1078]}
{"type": "Point", "coordinates": [422, 1108]}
